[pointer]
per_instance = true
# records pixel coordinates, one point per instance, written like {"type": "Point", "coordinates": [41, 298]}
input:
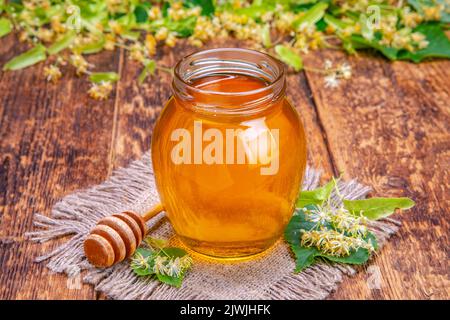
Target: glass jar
{"type": "Point", "coordinates": [229, 152]}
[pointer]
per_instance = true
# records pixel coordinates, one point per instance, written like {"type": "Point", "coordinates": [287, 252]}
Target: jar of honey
{"type": "Point", "coordinates": [229, 152]}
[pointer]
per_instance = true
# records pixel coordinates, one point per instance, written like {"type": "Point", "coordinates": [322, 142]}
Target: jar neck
{"type": "Point", "coordinates": [229, 61]}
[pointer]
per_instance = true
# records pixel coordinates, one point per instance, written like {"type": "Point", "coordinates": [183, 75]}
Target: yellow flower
{"type": "Point", "coordinates": [154, 13]}
{"type": "Point", "coordinates": [115, 27]}
{"type": "Point", "coordinates": [100, 91]}
{"type": "Point", "coordinates": [52, 73]}
{"type": "Point", "coordinates": [137, 52]}
{"type": "Point", "coordinates": [171, 40]}
{"type": "Point", "coordinates": [162, 34]}
{"type": "Point", "coordinates": [432, 13]}
{"type": "Point", "coordinates": [45, 34]}
{"type": "Point", "coordinates": [150, 44]}
{"type": "Point", "coordinates": [110, 41]}
{"type": "Point", "coordinates": [79, 63]}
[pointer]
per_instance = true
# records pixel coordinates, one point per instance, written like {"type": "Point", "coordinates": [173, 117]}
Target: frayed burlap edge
{"type": "Point", "coordinates": [133, 188]}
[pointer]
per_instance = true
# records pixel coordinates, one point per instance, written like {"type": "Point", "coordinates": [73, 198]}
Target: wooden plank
{"type": "Point", "coordinates": [53, 140]}
{"type": "Point", "coordinates": [389, 127]}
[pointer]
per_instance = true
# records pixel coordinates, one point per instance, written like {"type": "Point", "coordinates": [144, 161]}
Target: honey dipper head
{"type": "Point", "coordinates": [114, 239]}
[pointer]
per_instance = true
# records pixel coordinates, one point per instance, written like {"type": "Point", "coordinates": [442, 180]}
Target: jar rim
{"type": "Point", "coordinates": [221, 50]}
{"type": "Point", "coordinates": [274, 88]}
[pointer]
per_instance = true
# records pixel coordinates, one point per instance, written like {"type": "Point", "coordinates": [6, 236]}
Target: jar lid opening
{"type": "Point", "coordinates": [229, 61]}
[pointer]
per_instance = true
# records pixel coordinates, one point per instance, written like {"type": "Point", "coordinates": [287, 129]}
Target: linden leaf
{"type": "Point", "coordinates": [265, 35]}
{"type": "Point", "coordinates": [207, 6]}
{"type": "Point", "coordinates": [377, 208]}
{"type": "Point", "coordinates": [438, 44]}
{"type": "Point", "coordinates": [62, 43]}
{"type": "Point", "coordinates": [5, 27]}
{"type": "Point", "coordinates": [312, 16]}
{"type": "Point", "coordinates": [140, 12]}
{"type": "Point", "coordinates": [316, 196]}
{"type": "Point", "coordinates": [290, 57]}
{"type": "Point", "coordinates": [26, 59]}
{"type": "Point", "coordinates": [149, 69]}
{"type": "Point", "coordinates": [98, 77]}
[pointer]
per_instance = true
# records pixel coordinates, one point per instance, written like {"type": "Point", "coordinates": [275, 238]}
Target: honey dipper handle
{"type": "Point", "coordinates": [153, 212]}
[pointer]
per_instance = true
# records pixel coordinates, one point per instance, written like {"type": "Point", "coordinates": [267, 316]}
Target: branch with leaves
{"type": "Point", "coordinates": [65, 31]}
{"type": "Point", "coordinates": [320, 230]}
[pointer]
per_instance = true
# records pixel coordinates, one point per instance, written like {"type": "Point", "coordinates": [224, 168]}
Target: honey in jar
{"type": "Point", "coordinates": [229, 152]}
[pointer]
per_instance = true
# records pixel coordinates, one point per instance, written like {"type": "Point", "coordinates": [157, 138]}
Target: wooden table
{"type": "Point", "coordinates": [388, 126]}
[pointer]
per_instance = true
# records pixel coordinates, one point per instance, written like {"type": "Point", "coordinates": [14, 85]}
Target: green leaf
{"type": "Point", "coordinates": [377, 208]}
{"type": "Point", "coordinates": [316, 196]}
{"type": "Point", "coordinates": [337, 24]}
{"type": "Point", "coordinates": [5, 27]}
{"type": "Point", "coordinates": [172, 281]}
{"type": "Point", "coordinates": [289, 56]}
{"type": "Point", "coordinates": [140, 12]}
{"type": "Point", "coordinates": [149, 69]}
{"type": "Point", "coordinates": [29, 58]}
{"type": "Point", "coordinates": [304, 257]}
{"type": "Point", "coordinates": [184, 27]}
{"type": "Point", "coordinates": [312, 16]}
{"type": "Point", "coordinates": [360, 42]}
{"type": "Point", "coordinates": [438, 47]}
{"type": "Point", "coordinates": [207, 6]}
{"type": "Point", "coordinates": [63, 43]}
{"type": "Point", "coordinates": [267, 41]}
{"type": "Point", "coordinates": [92, 47]}
{"type": "Point", "coordinates": [97, 77]}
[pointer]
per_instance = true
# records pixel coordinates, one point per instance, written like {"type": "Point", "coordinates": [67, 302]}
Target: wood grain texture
{"type": "Point", "coordinates": [53, 141]}
{"type": "Point", "coordinates": [387, 126]}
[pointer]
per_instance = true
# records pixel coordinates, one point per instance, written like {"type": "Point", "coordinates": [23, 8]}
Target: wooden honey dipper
{"type": "Point", "coordinates": [116, 237]}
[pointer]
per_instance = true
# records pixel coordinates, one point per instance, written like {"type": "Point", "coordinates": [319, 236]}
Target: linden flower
{"type": "Point", "coordinates": [172, 267]}
{"type": "Point", "coordinates": [162, 34]}
{"type": "Point", "coordinates": [332, 242]}
{"type": "Point", "coordinates": [432, 13]}
{"type": "Point", "coordinates": [79, 63]}
{"type": "Point", "coordinates": [100, 91]}
{"type": "Point", "coordinates": [331, 81]}
{"type": "Point", "coordinates": [52, 73]}
{"type": "Point", "coordinates": [139, 261]}
{"type": "Point", "coordinates": [45, 35]}
{"type": "Point", "coordinates": [160, 265]}
{"type": "Point", "coordinates": [110, 42]}
{"type": "Point", "coordinates": [171, 40]}
{"type": "Point", "coordinates": [137, 52]}
{"type": "Point", "coordinates": [345, 70]}
{"type": "Point", "coordinates": [150, 44]}
{"type": "Point", "coordinates": [154, 13]}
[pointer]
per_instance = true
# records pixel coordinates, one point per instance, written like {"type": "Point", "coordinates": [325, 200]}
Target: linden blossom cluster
{"type": "Point", "coordinates": [347, 236]}
{"type": "Point", "coordinates": [256, 145]}
{"type": "Point", "coordinates": [70, 29]}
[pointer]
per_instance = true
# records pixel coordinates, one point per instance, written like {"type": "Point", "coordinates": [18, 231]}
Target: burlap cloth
{"type": "Point", "coordinates": [267, 277]}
